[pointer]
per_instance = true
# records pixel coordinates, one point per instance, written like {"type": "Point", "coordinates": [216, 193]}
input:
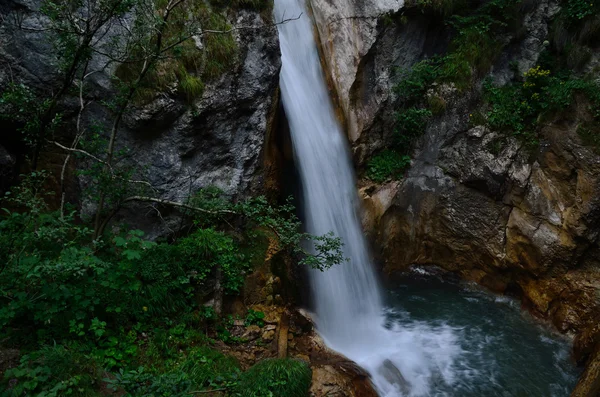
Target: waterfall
{"type": "Point", "coordinates": [348, 303]}
{"type": "Point", "coordinates": [350, 290]}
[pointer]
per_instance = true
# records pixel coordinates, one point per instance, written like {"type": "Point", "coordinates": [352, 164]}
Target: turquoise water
{"type": "Point", "coordinates": [485, 344]}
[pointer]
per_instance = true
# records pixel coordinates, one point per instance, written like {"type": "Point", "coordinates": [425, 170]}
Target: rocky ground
{"type": "Point", "coordinates": [289, 332]}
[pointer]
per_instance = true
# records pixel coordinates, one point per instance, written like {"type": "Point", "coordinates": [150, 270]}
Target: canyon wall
{"type": "Point", "coordinates": [177, 145]}
{"type": "Point", "coordinates": [513, 219]}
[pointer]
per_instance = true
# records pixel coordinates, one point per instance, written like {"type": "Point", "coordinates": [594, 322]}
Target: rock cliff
{"type": "Point", "coordinates": [177, 146]}
{"type": "Point", "coordinates": [514, 219]}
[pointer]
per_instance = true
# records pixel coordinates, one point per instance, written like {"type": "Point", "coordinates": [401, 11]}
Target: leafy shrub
{"type": "Point", "coordinates": [19, 104]}
{"type": "Point", "coordinates": [578, 10]}
{"type": "Point", "coordinates": [142, 383]}
{"type": "Point", "coordinates": [255, 318]}
{"type": "Point", "coordinates": [208, 367]}
{"type": "Point", "coordinates": [387, 164]}
{"type": "Point", "coordinates": [410, 124]}
{"type": "Point", "coordinates": [53, 371]}
{"type": "Point", "coordinates": [185, 63]}
{"type": "Point", "coordinates": [518, 108]}
{"type": "Point", "coordinates": [508, 109]}
{"type": "Point", "coordinates": [120, 302]}
{"type": "Point", "coordinates": [276, 377]}
{"type": "Point", "coordinates": [415, 82]}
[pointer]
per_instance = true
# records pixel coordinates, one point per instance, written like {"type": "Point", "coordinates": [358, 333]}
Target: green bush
{"type": "Point", "coordinates": [410, 125]}
{"type": "Point", "coordinates": [254, 318]}
{"type": "Point", "coordinates": [387, 164]}
{"type": "Point", "coordinates": [54, 371]}
{"type": "Point", "coordinates": [415, 82]}
{"type": "Point", "coordinates": [208, 367]}
{"type": "Point", "coordinates": [518, 107]}
{"type": "Point", "coordinates": [220, 52]}
{"type": "Point", "coordinates": [142, 383]}
{"type": "Point", "coordinates": [276, 377]}
{"type": "Point", "coordinates": [578, 10]}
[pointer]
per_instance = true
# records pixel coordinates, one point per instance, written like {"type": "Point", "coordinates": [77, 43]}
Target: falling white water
{"type": "Point", "coordinates": [349, 311]}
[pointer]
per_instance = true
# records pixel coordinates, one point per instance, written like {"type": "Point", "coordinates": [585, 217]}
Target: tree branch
{"type": "Point", "coordinates": [176, 204]}
{"type": "Point", "coordinates": [207, 391]}
{"type": "Point", "coordinates": [75, 150]}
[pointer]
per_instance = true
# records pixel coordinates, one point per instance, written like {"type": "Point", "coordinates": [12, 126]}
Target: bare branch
{"type": "Point", "coordinates": [176, 204]}
{"type": "Point", "coordinates": [75, 150]}
{"type": "Point", "coordinates": [206, 391]}
{"type": "Point", "coordinates": [247, 27]}
{"type": "Point", "coordinates": [78, 136]}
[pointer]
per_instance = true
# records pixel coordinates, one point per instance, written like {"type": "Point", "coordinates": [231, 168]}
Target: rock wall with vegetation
{"type": "Point", "coordinates": [136, 246]}
{"type": "Point", "coordinates": [197, 117]}
{"type": "Point", "coordinates": [477, 144]}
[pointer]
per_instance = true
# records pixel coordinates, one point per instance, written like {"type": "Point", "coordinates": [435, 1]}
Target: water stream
{"type": "Point", "coordinates": [416, 358]}
{"type": "Point", "coordinates": [497, 349]}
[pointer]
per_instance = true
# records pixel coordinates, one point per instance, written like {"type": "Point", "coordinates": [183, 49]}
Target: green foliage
{"type": "Point", "coordinates": [208, 367]}
{"type": "Point", "coordinates": [190, 86]}
{"type": "Point", "coordinates": [410, 124]}
{"type": "Point", "coordinates": [139, 382]}
{"type": "Point", "coordinates": [387, 164]}
{"type": "Point", "coordinates": [254, 318]}
{"type": "Point", "coordinates": [477, 41]}
{"type": "Point", "coordinates": [107, 304]}
{"type": "Point", "coordinates": [220, 48]}
{"type": "Point", "coordinates": [207, 249]}
{"type": "Point", "coordinates": [54, 371]}
{"type": "Point", "coordinates": [183, 63]}
{"type": "Point", "coordinates": [520, 107]}
{"type": "Point", "coordinates": [578, 10]}
{"type": "Point", "coordinates": [276, 377]}
{"type": "Point", "coordinates": [415, 82]}
{"type": "Point", "coordinates": [55, 282]}
{"type": "Point", "coordinates": [411, 119]}
{"type": "Point", "coordinates": [284, 226]}
{"type": "Point", "coordinates": [21, 106]}
{"type": "Point", "coordinates": [197, 369]}
{"type": "Point", "coordinates": [477, 118]}
{"type": "Point", "coordinates": [443, 7]}
{"type": "Point", "coordinates": [473, 48]}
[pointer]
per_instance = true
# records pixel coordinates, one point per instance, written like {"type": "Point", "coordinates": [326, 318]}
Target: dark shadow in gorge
{"type": "Point", "coordinates": [285, 184]}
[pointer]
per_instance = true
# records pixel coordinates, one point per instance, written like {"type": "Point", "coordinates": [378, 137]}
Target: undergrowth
{"type": "Point", "coordinates": [123, 312]}
{"type": "Point", "coordinates": [191, 63]}
{"type": "Point", "coordinates": [276, 377]}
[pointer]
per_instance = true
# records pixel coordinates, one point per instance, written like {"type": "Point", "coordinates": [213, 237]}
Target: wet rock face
{"type": "Point", "coordinates": [178, 147]}
{"type": "Point", "coordinates": [511, 220]}
{"type": "Point", "coordinates": [347, 30]}
{"type": "Point", "coordinates": [474, 201]}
